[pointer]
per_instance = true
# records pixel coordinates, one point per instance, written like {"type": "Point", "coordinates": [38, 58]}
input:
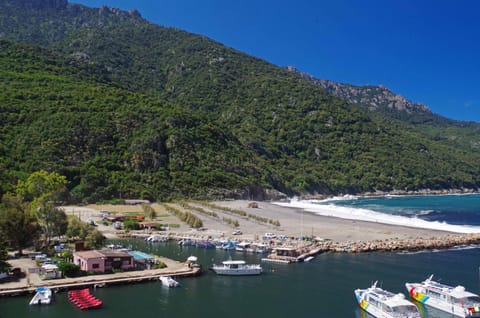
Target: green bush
{"type": "Point", "coordinates": [69, 269]}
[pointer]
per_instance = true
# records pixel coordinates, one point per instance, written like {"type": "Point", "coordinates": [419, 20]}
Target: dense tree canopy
{"type": "Point", "coordinates": [124, 108]}
{"type": "Point", "coordinates": [18, 222]}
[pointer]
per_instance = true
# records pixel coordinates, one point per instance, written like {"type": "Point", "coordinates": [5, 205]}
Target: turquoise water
{"type": "Point", "coordinates": [451, 209]}
{"type": "Point", "coordinates": [322, 288]}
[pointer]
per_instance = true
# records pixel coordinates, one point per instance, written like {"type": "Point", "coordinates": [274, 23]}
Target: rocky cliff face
{"type": "Point", "coordinates": [375, 98]}
{"type": "Point", "coordinates": [43, 4]}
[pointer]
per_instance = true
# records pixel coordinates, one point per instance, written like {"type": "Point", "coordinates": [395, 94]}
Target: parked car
{"type": "Point", "coordinates": [268, 236]}
{"type": "Point", "coordinates": [237, 232]}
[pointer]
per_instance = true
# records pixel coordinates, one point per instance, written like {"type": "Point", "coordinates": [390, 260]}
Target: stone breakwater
{"type": "Point", "coordinates": [411, 244]}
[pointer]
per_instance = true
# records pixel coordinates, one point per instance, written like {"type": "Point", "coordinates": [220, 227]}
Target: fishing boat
{"type": "Point", "coordinates": [453, 300]}
{"type": "Point", "coordinates": [384, 304]}
{"type": "Point", "coordinates": [243, 247]}
{"type": "Point", "coordinates": [237, 268]}
{"type": "Point", "coordinates": [168, 281]}
{"type": "Point", "coordinates": [43, 296]}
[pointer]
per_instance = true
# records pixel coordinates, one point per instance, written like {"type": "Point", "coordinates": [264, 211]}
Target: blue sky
{"type": "Point", "coordinates": [425, 50]}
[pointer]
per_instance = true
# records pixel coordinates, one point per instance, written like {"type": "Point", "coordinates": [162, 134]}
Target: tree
{"type": "Point", "coordinates": [42, 187]}
{"type": "Point", "coordinates": [130, 224]}
{"type": "Point", "coordinates": [44, 190]}
{"type": "Point", "coordinates": [76, 228]}
{"type": "Point", "coordinates": [18, 223]}
{"type": "Point", "coordinates": [69, 269]}
{"type": "Point", "coordinates": [94, 239]}
{"type": "Point", "coordinates": [149, 211]}
{"type": "Point", "coordinates": [4, 266]}
{"type": "Point", "coordinates": [54, 221]}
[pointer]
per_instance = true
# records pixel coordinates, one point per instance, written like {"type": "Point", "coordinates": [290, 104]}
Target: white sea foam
{"type": "Point", "coordinates": [425, 212]}
{"type": "Point", "coordinates": [346, 197]}
{"type": "Point", "coordinates": [377, 217]}
{"type": "Point", "coordinates": [455, 248]}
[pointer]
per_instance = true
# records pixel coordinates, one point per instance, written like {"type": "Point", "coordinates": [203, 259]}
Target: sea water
{"type": "Point", "coordinates": [455, 213]}
{"type": "Point", "coordinates": [321, 288]}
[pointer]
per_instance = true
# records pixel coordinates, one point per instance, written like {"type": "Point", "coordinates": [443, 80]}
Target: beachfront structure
{"type": "Point", "coordinates": [142, 260]}
{"type": "Point", "coordinates": [103, 260]}
{"type": "Point", "coordinates": [50, 271]}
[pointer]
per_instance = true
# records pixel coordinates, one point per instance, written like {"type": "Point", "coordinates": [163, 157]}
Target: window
{"type": "Point", "coordinates": [96, 266]}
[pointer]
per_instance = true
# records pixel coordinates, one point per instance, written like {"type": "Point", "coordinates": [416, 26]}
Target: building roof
{"type": "Point", "coordinates": [114, 253]}
{"type": "Point", "coordinates": [101, 254]}
{"type": "Point", "coordinates": [89, 254]}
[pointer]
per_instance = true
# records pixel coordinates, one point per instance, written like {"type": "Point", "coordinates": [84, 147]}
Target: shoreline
{"type": "Point", "coordinates": [399, 193]}
{"type": "Point", "coordinates": [326, 234]}
{"type": "Point", "coordinates": [294, 222]}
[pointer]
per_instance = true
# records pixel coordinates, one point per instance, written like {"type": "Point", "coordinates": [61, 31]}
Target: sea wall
{"type": "Point", "coordinates": [389, 245]}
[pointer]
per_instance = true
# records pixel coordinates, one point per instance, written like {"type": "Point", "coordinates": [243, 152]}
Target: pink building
{"type": "Point", "coordinates": [102, 260]}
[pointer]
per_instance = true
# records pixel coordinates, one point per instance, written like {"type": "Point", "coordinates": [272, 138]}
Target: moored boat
{"type": "Point", "coordinates": [156, 239]}
{"type": "Point", "coordinates": [384, 304]}
{"type": "Point", "coordinates": [453, 300]}
{"type": "Point", "coordinates": [83, 299]}
{"type": "Point", "coordinates": [237, 268]}
{"type": "Point", "coordinates": [168, 281]}
{"type": "Point", "coordinates": [43, 296]}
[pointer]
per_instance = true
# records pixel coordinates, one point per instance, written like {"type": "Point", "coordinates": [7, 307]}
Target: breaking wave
{"type": "Point", "coordinates": [376, 217]}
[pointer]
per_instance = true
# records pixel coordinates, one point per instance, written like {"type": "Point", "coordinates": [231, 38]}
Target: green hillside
{"type": "Point", "coordinates": [125, 108]}
{"type": "Point", "coordinates": [380, 101]}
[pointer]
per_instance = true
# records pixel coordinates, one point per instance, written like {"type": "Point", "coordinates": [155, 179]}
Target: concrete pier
{"type": "Point", "coordinates": [28, 284]}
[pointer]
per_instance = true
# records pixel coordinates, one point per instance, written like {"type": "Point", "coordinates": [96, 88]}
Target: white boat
{"type": "Point", "coordinates": [43, 296]}
{"type": "Point", "coordinates": [453, 300]}
{"type": "Point", "coordinates": [156, 238]}
{"type": "Point", "coordinates": [167, 281]}
{"type": "Point", "coordinates": [237, 268]}
{"type": "Point", "coordinates": [260, 248]}
{"type": "Point", "coordinates": [308, 259]}
{"type": "Point", "coordinates": [243, 247]}
{"type": "Point", "coordinates": [384, 304]}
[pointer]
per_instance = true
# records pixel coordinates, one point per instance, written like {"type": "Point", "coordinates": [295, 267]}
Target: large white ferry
{"type": "Point", "coordinates": [453, 300]}
{"type": "Point", "coordinates": [384, 304]}
{"type": "Point", "coordinates": [237, 268]}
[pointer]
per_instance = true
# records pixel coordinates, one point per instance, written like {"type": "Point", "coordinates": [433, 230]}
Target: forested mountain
{"type": "Point", "coordinates": [126, 108]}
{"type": "Point", "coordinates": [379, 100]}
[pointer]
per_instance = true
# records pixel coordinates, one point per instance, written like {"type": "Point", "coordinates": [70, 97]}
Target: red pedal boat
{"type": "Point", "coordinates": [83, 299]}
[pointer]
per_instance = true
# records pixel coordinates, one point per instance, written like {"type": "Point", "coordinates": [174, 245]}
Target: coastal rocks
{"type": "Point", "coordinates": [406, 245]}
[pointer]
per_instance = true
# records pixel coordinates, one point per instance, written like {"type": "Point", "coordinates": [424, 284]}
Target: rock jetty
{"type": "Point", "coordinates": [411, 244]}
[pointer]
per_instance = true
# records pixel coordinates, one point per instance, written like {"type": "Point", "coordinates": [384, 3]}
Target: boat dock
{"type": "Point", "coordinates": [32, 281]}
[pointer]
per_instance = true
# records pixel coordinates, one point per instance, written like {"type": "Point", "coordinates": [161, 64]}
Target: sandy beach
{"type": "Point", "coordinates": [293, 222]}
{"type": "Point", "coordinates": [297, 222]}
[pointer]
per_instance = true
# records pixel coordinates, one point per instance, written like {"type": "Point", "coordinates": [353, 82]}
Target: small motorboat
{"type": "Point", "coordinates": [384, 304]}
{"type": "Point", "coordinates": [43, 296]}
{"type": "Point", "coordinates": [308, 259]}
{"type": "Point", "coordinates": [168, 281]}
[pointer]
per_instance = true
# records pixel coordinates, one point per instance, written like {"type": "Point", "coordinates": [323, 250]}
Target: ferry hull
{"type": "Point", "coordinates": [237, 272]}
{"type": "Point", "coordinates": [417, 293]}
